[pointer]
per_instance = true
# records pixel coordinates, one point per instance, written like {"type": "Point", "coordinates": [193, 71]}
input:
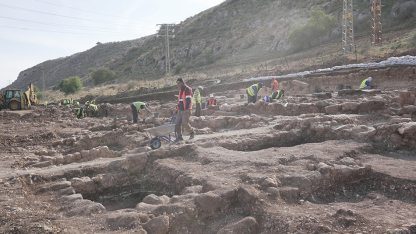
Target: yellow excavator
{"type": "Point", "coordinates": [16, 99]}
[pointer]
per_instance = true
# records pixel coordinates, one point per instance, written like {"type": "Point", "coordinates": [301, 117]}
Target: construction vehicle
{"type": "Point", "coordinates": [16, 99]}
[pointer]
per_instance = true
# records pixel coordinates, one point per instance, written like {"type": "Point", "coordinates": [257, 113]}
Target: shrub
{"type": "Point", "coordinates": [102, 75]}
{"type": "Point", "coordinates": [70, 85]}
{"type": "Point", "coordinates": [318, 27]}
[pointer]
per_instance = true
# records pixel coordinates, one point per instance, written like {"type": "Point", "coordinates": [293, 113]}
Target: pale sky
{"type": "Point", "coordinates": [33, 31]}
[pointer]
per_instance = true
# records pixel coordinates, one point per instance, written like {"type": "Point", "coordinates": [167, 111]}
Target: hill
{"type": "Point", "coordinates": [237, 36]}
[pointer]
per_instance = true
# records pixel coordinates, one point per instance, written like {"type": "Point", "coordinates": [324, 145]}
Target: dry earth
{"type": "Point", "coordinates": [335, 162]}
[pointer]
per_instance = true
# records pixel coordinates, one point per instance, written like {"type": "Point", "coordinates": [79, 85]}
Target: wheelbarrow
{"type": "Point", "coordinates": [161, 133]}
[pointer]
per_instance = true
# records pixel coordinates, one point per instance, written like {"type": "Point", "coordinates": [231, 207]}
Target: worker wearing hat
{"type": "Point", "coordinates": [184, 110]}
{"type": "Point", "coordinates": [252, 92]}
{"type": "Point", "coordinates": [366, 83]}
{"type": "Point", "coordinates": [197, 99]}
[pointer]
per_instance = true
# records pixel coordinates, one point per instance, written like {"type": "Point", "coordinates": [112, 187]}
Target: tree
{"type": "Point", "coordinates": [70, 85]}
{"type": "Point", "coordinates": [102, 75]}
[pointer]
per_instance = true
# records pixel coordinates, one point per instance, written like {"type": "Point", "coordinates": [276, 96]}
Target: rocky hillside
{"type": "Point", "coordinates": [235, 33]}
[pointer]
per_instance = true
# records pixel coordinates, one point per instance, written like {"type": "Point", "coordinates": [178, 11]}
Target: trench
{"type": "Point", "coordinates": [372, 184]}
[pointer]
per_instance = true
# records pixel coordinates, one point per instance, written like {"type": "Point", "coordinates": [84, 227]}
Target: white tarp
{"type": "Point", "coordinates": [404, 60]}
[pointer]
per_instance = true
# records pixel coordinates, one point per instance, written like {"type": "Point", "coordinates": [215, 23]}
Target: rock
{"type": "Point", "coordinates": [408, 129]}
{"type": "Point", "coordinates": [72, 197]}
{"type": "Point", "coordinates": [155, 200]}
{"type": "Point", "coordinates": [147, 208]}
{"type": "Point", "coordinates": [84, 185]}
{"type": "Point", "coordinates": [247, 225]}
{"type": "Point", "coordinates": [406, 98]}
{"type": "Point", "coordinates": [269, 182]}
{"type": "Point", "coordinates": [54, 186]}
{"type": "Point", "coordinates": [325, 95]}
{"type": "Point", "coordinates": [123, 220]}
{"type": "Point", "coordinates": [412, 228]}
{"type": "Point", "coordinates": [66, 191]}
{"type": "Point", "coordinates": [407, 110]}
{"type": "Point", "coordinates": [399, 231]}
{"type": "Point", "coordinates": [347, 161]}
{"type": "Point", "coordinates": [42, 164]}
{"type": "Point", "coordinates": [349, 92]}
{"type": "Point", "coordinates": [158, 225]}
{"type": "Point", "coordinates": [350, 107]}
{"type": "Point", "coordinates": [192, 189]}
{"type": "Point", "coordinates": [371, 106]}
{"type": "Point", "coordinates": [209, 203]}
{"type": "Point", "coordinates": [333, 109]}
{"type": "Point", "coordinates": [289, 194]}
{"type": "Point", "coordinates": [247, 194]}
{"type": "Point", "coordinates": [273, 192]}
{"type": "Point", "coordinates": [85, 207]}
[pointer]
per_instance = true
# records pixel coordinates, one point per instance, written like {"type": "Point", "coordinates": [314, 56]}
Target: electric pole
{"type": "Point", "coordinates": [376, 18]}
{"type": "Point", "coordinates": [347, 26]}
{"type": "Point", "coordinates": [167, 30]}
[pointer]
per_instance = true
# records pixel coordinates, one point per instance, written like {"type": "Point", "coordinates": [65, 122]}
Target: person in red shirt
{"type": "Point", "coordinates": [184, 110]}
{"type": "Point", "coordinates": [211, 101]}
{"type": "Point", "coordinates": [275, 85]}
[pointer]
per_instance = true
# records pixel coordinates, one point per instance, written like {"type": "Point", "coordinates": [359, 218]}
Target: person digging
{"type": "Point", "coordinates": [136, 108]}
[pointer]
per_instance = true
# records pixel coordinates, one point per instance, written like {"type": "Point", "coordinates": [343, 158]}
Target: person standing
{"type": "Point", "coordinates": [252, 92]}
{"type": "Point", "coordinates": [275, 85]}
{"type": "Point", "coordinates": [137, 107]}
{"type": "Point", "coordinates": [197, 99]}
{"type": "Point", "coordinates": [183, 110]}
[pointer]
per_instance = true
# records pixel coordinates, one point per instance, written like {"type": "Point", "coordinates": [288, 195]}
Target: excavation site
{"type": "Point", "coordinates": [337, 161]}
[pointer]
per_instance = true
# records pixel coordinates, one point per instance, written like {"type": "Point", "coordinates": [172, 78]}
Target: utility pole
{"type": "Point", "coordinates": [376, 17]}
{"type": "Point", "coordinates": [347, 27]}
{"type": "Point", "coordinates": [167, 30]}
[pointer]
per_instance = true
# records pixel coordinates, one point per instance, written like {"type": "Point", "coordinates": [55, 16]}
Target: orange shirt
{"type": "Point", "coordinates": [275, 85]}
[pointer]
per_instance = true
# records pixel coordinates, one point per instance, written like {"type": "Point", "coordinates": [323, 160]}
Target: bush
{"type": "Point", "coordinates": [70, 85]}
{"type": "Point", "coordinates": [318, 27]}
{"type": "Point", "coordinates": [102, 75]}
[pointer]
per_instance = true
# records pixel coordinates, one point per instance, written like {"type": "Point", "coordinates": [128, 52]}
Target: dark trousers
{"type": "Point", "coordinates": [251, 99]}
{"type": "Point", "coordinates": [198, 110]}
{"type": "Point", "coordinates": [134, 112]}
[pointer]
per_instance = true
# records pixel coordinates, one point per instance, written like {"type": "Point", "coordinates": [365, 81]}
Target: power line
{"type": "Point", "coordinates": [80, 27]}
{"type": "Point", "coordinates": [48, 13]}
{"type": "Point", "coordinates": [80, 9]}
{"type": "Point", "coordinates": [44, 30]}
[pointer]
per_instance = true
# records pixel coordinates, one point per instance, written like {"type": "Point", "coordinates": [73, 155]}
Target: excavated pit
{"type": "Point", "coordinates": [369, 187]}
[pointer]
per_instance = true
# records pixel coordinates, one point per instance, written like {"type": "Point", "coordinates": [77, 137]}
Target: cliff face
{"type": "Point", "coordinates": [233, 33]}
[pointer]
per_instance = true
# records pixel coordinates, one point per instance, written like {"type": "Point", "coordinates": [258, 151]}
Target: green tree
{"type": "Point", "coordinates": [70, 85]}
{"type": "Point", "coordinates": [316, 29]}
{"type": "Point", "coordinates": [102, 75]}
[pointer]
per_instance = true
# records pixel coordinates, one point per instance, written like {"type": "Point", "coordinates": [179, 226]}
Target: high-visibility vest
{"type": "Point", "coordinates": [277, 94]}
{"type": "Point", "coordinates": [363, 83]}
{"type": "Point", "coordinates": [253, 90]}
{"type": "Point", "coordinates": [197, 99]}
{"type": "Point", "coordinates": [138, 105]}
{"type": "Point", "coordinates": [184, 94]}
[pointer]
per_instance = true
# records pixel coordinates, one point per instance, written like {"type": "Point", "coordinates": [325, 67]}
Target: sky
{"type": "Point", "coordinates": [33, 31]}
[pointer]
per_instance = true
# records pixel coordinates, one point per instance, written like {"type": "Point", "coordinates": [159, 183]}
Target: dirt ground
{"type": "Point", "coordinates": [333, 162]}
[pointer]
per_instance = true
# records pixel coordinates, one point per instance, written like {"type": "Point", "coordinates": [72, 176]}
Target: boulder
{"type": "Point", "coordinates": [247, 225]}
{"type": "Point", "coordinates": [247, 194]}
{"type": "Point", "coordinates": [156, 200]}
{"type": "Point", "coordinates": [289, 194]}
{"type": "Point", "coordinates": [209, 203]}
{"type": "Point", "coordinates": [84, 185]}
{"type": "Point", "coordinates": [408, 129]}
{"type": "Point", "coordinates": [158, 225]}
{"type": "Point", "coordinates": [122, 220]}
